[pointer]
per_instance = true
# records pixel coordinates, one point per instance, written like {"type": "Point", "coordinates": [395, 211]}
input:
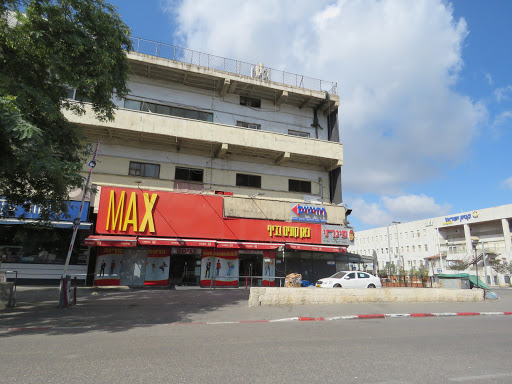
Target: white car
{"type": "Point", "coordinates": [350, 279]}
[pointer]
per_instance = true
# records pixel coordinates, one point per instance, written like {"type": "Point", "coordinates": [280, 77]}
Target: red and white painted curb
{"type": "Point", "coordinates": [289, 319]}
{"type": "Point", "coordinates": [353, 317]}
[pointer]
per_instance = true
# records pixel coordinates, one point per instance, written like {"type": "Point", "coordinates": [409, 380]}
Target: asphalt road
{"type": "Point", "coordinates": [402, 350]}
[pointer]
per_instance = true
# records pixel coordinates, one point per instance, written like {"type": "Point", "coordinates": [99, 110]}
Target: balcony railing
{"type": "Point", "coordinates": [184, 55]}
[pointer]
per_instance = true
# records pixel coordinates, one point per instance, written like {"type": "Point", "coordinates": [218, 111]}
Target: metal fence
{"type": "Point", "coordinates": [184, 55]}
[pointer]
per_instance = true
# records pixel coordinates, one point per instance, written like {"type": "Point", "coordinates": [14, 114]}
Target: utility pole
{"type": "Point", "coordinates": [389, 247]}
{"type": "Point", "coordinates": [64, 299]}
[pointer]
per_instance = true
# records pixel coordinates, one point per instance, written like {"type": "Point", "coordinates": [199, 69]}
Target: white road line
{"type": "Point", "coordinates": [481, 377]}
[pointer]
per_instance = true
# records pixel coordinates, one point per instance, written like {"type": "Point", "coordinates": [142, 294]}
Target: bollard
{"type": "Point", "coordinates": [75, 281]}
{"type": "Point", "coordinates": [64, 299]}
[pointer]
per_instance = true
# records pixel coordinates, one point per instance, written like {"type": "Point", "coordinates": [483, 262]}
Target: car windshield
{"type": "Point", "coordinates": [339, 275]}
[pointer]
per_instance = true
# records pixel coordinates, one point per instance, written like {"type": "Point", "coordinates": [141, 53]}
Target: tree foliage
{"type": "Point", "coordinates": [502, 267]}
{"type": "Point", "coordinates": [457, 265]}
{"type": "Point", "coordinates": [47, 47]}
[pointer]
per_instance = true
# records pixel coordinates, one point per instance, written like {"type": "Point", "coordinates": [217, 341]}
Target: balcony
{"type": "Point", "coordinates": [163, 62]}
{"type": "Point", "coordinates": [210, 139]}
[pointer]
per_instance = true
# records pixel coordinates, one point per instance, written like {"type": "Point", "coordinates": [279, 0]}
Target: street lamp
{"type": "Point", "coordinates": [397, 238]}
{"type": "Point", "coordinates": [398, 244]}
{"type": "Point", "coordinates": [474, 242]}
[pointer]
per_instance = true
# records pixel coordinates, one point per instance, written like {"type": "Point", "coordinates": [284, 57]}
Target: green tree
{"type": "Point", "coordinates": [47, 47]}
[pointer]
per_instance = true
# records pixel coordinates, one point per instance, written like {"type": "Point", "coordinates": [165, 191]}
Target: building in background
{"type": "Point", "coordinates": [442, 243]}
{"type": "Point", "coordinates": [216, 172]}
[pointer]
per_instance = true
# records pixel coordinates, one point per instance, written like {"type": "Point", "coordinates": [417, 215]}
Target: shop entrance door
{"type": "Point", "coordinates": [133, 267]}
{"type": "Point", "coordinates": [251, 266]}
{"type": "Point", "coordinates": [185, 269]}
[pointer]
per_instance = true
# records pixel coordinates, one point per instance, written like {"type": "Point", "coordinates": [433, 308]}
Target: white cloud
{"type": "Point", "coordinates": [503, 93]}
{"type": "Point", "coordinates": [489, 78]}
{"type": "Point", "coordinates": [499, 122]}
{"type": "Point", "coordinates": [395, 62]}
{"type": "Point", "coordinates": [402, 208]}
{"type": "Point", "coordinates": [508, 183]}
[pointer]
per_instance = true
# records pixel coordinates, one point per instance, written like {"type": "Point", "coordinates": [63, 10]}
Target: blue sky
{"type": "Point", "coordinates": [426, 88]}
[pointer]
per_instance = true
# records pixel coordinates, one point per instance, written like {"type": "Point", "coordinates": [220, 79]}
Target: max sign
{"type": "Point", "coordinates": [119, 218]}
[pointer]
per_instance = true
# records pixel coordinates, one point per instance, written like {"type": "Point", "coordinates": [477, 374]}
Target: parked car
{"type": "Point", "coordinates": [350, 279]}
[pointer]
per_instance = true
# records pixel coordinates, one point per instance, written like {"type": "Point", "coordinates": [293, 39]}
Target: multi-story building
{"type": "Point", "coordinates": [214, 170]}
{"type": "Point", "coordinates": [443, 243]}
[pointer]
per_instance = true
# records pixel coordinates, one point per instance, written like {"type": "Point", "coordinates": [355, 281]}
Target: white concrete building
{"type": "Point", "coordinates": [243, 147]}
{"type": "Point", "coordinates": [434, 242]}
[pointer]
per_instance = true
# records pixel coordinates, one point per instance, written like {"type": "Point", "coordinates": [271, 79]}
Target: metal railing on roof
{"type": "Point", "coordinates": [184, 55]}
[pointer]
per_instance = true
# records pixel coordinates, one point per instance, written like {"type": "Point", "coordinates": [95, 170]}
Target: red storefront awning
{"type": "Point", "coordinates": [111, 241]}
{"type": "Point", "coordinates": [247, 245]}
{"type": "Point", "coordinates": [176, 242]}
{"type": "Point", "coordinates": [316, 248]}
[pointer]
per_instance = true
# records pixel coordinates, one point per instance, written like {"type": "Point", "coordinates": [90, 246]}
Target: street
{"type": "Point", "coordinates": [413, 350]}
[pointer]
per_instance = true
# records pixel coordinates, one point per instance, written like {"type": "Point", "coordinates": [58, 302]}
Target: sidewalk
{"type": "Point", "coordinates": [36, 307]}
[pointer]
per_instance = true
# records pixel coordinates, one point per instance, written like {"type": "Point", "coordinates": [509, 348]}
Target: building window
{"type": "Point", "coordinates": [417, 233]}
{"type": "Point", "coordinates": [413, 248]}
{"type": "Point", "coordinates": [144, 169]}
{"type": "Point", "coordinates": [168, 110]}
{"type": "Point", "coordinates": [426, 248]}
{"type": "Point", "coordinates": [243, 180]}
{"type": "Point", "coordinates": [298, 133]}
{"type": "Point", "coordinates": [250, 102]}
{"type": "Point", "coordinates": [189, 174]}
{"type": "Point", "coordinates": [299, 186]}
{"type": "Point", "coordinates": [248, 125]}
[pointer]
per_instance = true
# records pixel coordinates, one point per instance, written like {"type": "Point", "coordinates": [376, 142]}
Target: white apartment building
{"type": "Point", "coordinates": [434, 242]}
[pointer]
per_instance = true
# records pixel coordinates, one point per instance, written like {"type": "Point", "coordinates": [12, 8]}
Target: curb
{"type": "Point", "coordinates": [289, 319]}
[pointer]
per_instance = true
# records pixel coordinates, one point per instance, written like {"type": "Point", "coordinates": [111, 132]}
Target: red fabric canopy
{"type": "Point", "coordinates": [111, 241]}
{"type": "Point", "coordinates": [247, 245]}
{"type": "Point", "coordinates": [176, 242]}
{"type": "Point", "coordinates": [316, 248]}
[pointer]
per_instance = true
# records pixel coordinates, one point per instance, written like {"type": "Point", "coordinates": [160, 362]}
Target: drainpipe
{"type": "Point", "coordinates": [316, 124]}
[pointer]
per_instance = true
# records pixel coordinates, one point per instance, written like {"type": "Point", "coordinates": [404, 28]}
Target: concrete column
{"type": "Point", "coordinates": [467, 236]}
{"type": "Point", "coordinates": [506, 235]}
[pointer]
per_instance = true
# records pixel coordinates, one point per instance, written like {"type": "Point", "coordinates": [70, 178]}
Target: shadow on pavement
{"type": "Point", "coordinates": [113, 309]}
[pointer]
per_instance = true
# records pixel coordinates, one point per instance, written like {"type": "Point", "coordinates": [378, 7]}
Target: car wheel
{"type": "Point", "coordinates": [336, 286]}
{"type": "Point", "coordinates": [371, 286]}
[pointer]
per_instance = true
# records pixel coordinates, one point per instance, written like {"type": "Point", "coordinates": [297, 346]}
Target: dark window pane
{"type": "Point", "coordinates": [243, 180]}
{"type": "Point", "coordinates": [70, 93]}
{"type": "Point", "coordinates": [149, 107]}
{"type": "Point", "coordinates": [132, 104]}
{"type": "Point", "coordinates": [80, 97]}
{"type": "Point", "coordinates": [249, 102]}
{"type": "Point", "coordinates": [163, 109]}
{"type": "Point", "coordinates": [188, 174]}
{"type": "Point", "coordinates": [144, 169]}
{"type": "Point", "coordinates": [299, 186]}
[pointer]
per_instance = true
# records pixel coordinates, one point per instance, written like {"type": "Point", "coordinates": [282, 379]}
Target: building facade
{"type": "Point", "coordinates": [215, 171]}
{"type": "Point", "coordinates": [441, 243]}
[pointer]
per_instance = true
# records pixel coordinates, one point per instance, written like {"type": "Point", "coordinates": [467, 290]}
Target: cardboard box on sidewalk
{"type": "Point", "coordinates": [293, 280]}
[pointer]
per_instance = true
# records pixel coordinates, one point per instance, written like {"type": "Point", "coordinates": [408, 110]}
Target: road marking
{"type": "Point", "coordinates": [301, 318]}
{"type": "Point", "coordinates": [481, 377]}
